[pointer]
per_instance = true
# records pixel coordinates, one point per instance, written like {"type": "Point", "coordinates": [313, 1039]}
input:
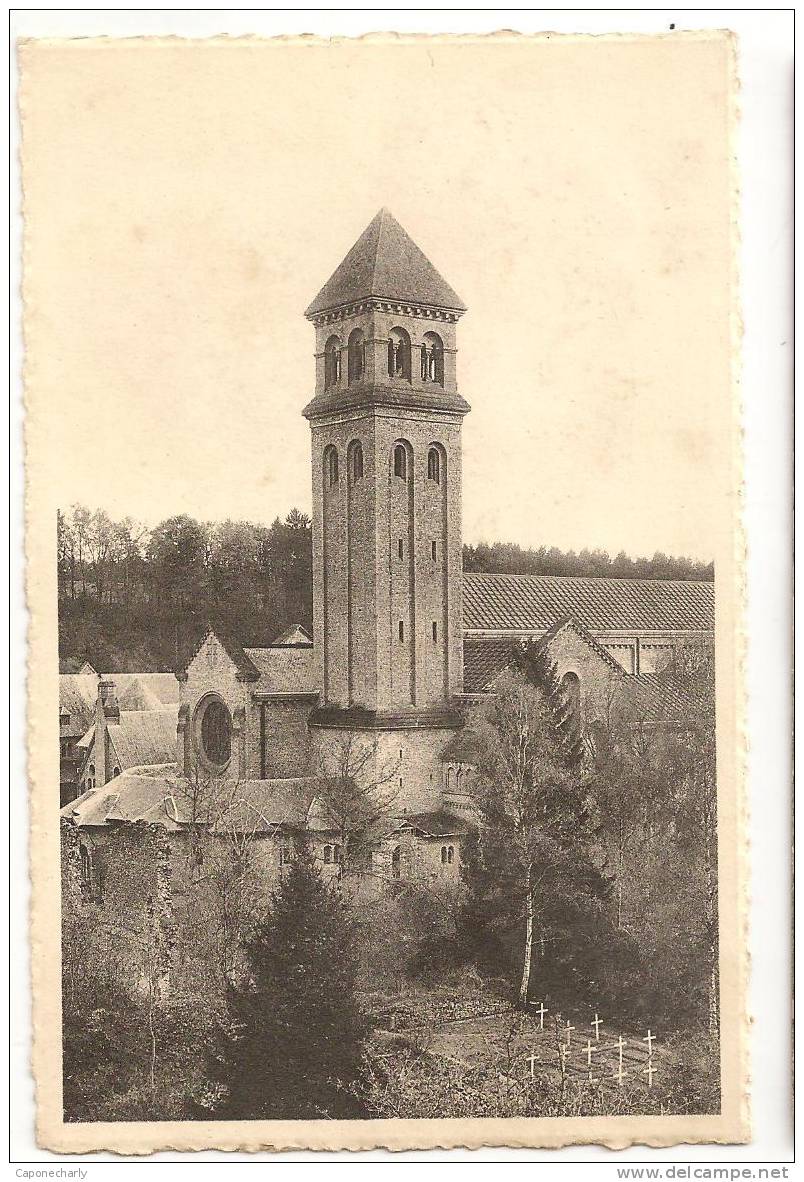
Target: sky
{"type": "Point", "coordinates": [185, 202]}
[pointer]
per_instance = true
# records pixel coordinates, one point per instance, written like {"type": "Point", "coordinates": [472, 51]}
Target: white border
{"type": "Point", "coordinates": [765, 50]}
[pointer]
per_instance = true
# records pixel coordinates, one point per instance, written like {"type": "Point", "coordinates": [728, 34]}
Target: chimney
{"type": "Point", "coordinates": [108, 701]}
{"type": "Point", "coordinates": [107, 713]}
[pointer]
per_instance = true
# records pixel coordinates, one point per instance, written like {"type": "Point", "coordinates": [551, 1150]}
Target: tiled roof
{"type": "Point", "coordinates": [660, 698]}
{"type": "Point", "coordinates": [135, 691]}
{"type": "Point", "coordinates": [77, 694]}
{"type": "Point", "coordinates": [290, 669]}
{"type": "Point", "coordinates": [483, 661]}
{"type": "Point", "coordinates": [158, 795]}
{"type": "Point", "coordinates": [462, 748]}
{"type": "Point", "coordinates": [144, 737]}
{"type": "Point", "coordinates": [436, 824]}
{"type": "Point", "coordinates": [160, 688]}
{"type": "Point", "coordinates": [385, 262]}
{"type": "Point", "coordinates": [485, 658]}
{"type": "Point", "coordinates": [294, 634]}
{"type": "Point", "coordinates": [534, 602]}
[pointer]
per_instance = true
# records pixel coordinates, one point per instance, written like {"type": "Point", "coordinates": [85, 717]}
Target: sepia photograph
{"type": "Point", "coordinates": [383, 539]}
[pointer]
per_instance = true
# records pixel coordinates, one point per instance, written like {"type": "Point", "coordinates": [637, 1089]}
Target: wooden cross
{"type": "Point", "coordinates": [619, 1074]}
{"type": "Point", "coordinates": [650, 1071]}
{"type": "Point", "coordinates": [541, 1012]}
{"type": "Point", "coordinates": [650, 1040]}
{"type": "Point", "coordinates": [569, 1030]}
{"type": "Point", "coordinates": [598, 1022]}
{"type": "Point", "coordinates": [533, 1059]}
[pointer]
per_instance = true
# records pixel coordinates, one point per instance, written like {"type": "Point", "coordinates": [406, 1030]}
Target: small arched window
{"type": "Point", "coordinates": [399, 354]}
{"type": "Point", "coordinates": [434, 465]}
{"type": "Point", "coordinates": [327, 853]}
{"type": "Point", "coordinates": [357, 462]}
{"type": "Point", "coordinates": [451, 854]}
{"type": "Point", "coordinates": [357, 356]}
{"type": "Point", "coordinates": [400, 461]}
{"type": "Point", "coordinates": [432, 359]}
{"type": "Point", "coordinates": [332, 362]}
{"type": "Point", "coordinates": [331, 465]}
{"type": "Point", "coordinates": [444, 854]}
{"type": "Point", "coordinates": [86, 866]}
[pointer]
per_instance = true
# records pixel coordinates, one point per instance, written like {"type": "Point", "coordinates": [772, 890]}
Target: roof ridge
{"type": "Point", "coordinates": [586, 578]}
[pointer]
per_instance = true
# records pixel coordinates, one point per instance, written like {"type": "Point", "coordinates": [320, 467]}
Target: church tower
{"type": "Point", "coordinates": [386, 460]}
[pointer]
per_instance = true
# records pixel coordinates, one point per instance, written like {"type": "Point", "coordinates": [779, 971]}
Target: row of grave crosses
{"type": "Point", "coordinates": [593, 1048]}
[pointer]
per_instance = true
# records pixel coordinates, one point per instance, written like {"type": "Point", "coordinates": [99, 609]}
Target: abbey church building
{"type": "Point", "coordinates": [402, 641]}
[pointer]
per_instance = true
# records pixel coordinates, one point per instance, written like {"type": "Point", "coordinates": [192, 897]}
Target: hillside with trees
{"type": "Point", "coordinates": [135, 600]}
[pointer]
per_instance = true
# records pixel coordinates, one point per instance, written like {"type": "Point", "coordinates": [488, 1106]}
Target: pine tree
{"type": "Point", "coordinates": [297, 1031]}
{"type": "Point", "coordinates": [534, 662]}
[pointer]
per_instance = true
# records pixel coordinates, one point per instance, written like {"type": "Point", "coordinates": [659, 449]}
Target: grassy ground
{"type": "Point", "coordinates": [487, 1059]}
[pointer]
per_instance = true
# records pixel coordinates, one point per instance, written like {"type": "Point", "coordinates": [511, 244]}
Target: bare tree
{"type": "Point", "coordinates": [357, 793]}
{"type": "Point", "coordinates": [527, 797]}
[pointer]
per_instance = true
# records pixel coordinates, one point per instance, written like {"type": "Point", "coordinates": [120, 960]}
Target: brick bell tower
{"type": "Point", "coordinates": [386, 460]}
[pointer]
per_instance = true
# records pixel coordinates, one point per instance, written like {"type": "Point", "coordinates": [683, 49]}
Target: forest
{"type": "Point", "coordinates": [133, 599]}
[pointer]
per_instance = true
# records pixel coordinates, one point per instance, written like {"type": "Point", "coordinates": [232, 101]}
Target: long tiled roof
{"type": "Point", "coordinates": [499, 603]}
{"type": "Point", "coordinates": [385, 262]}
{"type": "Point", "coordinates": [144, 737]}
{"type": "Point", "coordinates": [160, 796]}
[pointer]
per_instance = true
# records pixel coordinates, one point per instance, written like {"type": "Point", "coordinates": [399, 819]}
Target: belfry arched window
{"type": "Point", "coordinates": [432, 359]}
{"type": "Point", "coordinates": [399, 354]}
{"type": "Point", "coordinates": [357, 356]}
{"type": "Point", "coordinates": [400, 461]}
{"type": "Point", "coordinates": [331, 466]}
{"type": "Point", "coordinates": [434, 465]}
{"type": "Point", "coordinates": [332, 362]}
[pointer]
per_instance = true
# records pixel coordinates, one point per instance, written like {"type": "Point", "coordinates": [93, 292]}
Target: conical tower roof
{"type": "Point", "coordinates": [386, 263]}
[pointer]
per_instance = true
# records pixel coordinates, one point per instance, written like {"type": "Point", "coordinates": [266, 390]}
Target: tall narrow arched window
{"type": "Point", "coordinates": [400, 461]}
{"type": "Point", "coordinates": [432, 359]}
{"type": "Point", "coordinates": [355, 461]}
{"type": "Point", "coordinates": [332, 362]}
{"type": "Point", "coordinates": [399, 354]}
{"type": "Point", "coordinates": [434, 465]}
{"type": "Point", "coordinates": [331, 465]}
{"type": "Point", "coordinates": [571, 689]}
{"type": "Point", "coordinates": [357, 356]}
